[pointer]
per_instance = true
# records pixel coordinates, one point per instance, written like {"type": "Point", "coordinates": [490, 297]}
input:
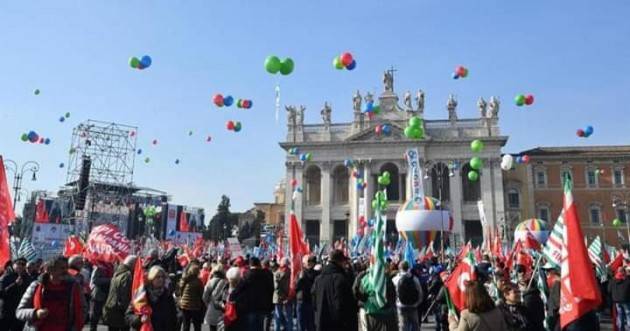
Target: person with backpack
{"type": "Point", "coordinates": [408, 296]}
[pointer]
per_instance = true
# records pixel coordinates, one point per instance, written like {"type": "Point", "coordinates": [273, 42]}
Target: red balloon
{"type": "Point", "coordinates": [525, 158]}
{"type": "Point", "coordinates": [580, 133]}
{"type": "Point", "coordinates": [371, 115]}
{"type": "Point", "coordinates": [218, 100]}
{"type": "Point", "coordinates": [346, 59]}
{"type": "Point", "coordinates": [378, 129]}
{"type": "Point", "coordinates": [41, 140]}
{"type": "Point", "coordinates": [245, 104]}
{"type": "Point", "coordinates": [529, 99]}
{"type": "Point", "coordinates": [460, 71]}
{"type": "Point", "coordinates": [230, 125]}
{"type": "Point", "coordinates": [294, 182]}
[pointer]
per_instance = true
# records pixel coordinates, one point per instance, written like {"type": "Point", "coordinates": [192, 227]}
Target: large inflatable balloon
{"type": "Point", "coordinates": [507, 162]}
{"type": "Point", "coordinates": [420, 222]}
{"type": "Point", "coordinates": [537, 227]}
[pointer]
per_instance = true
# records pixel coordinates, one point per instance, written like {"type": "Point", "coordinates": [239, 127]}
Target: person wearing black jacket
{"type": "Point", "coordinates": [332, 296]}
{"type": "Point", "coordinates": [13, 284]}
{"type": "Point", "coordinates": [535, 309]}
{"type": "Point", "coordinates": [256, 289]}
{"type": "Point", "coordinates": [305, 316]}
{"type": "Point", "coordinates": [619, 288]}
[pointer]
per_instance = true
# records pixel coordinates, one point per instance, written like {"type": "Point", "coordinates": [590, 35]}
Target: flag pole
{"type": "Point", "coordinates": [536, 267]}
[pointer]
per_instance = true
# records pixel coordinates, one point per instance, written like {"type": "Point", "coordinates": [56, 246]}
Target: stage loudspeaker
{"type": "Point", "coordinates": [84, 181]}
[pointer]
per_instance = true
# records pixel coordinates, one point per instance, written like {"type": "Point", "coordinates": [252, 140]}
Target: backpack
{"type": "Point", "coordinates": [407, 291]}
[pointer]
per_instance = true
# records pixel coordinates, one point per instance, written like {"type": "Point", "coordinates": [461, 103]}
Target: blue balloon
{"type": "Point", "coordinates": [251, 103]}
{"type": "Point", "coordinates": [177, 161]}
{"type": "Point", "coordinates": [145, 61]}
{"type": "Point", "coordinates": [455, 76]}
{"type": "Point", "coordinates": [347, 163]}
{"type": "Point", "coordinates": [371, 222]}
{"type": "Point", "coordinates": [61, 165]}
{"type": "Point", "coordinates": [171, 233]}
{"type": "Point", "coordinates": [352, 65]}
{"type": "Point", "coordinates": [588, 131]}
{"type": "Point", "coordinates": [47, 141]}
{"type": "Point", "coordinates": [139, 151]}
{"type": "Point", "coordinates": [387, 129]}
{"type": "Point", "coordinates": [227, 101]}
{"type": "Point", "coordinates": [62, 119]}
{"type": "Point", "coordinates": [519, 159]}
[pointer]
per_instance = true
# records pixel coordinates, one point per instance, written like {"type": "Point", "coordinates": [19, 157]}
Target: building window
{"type": "Point", "coordinates": [513, 199]}
{"type": "Point", "coordinates": [618, 177]}
{"type": "Point", "coordinates": [341, 185]}
{"type": "Point", "coordinates": [591, 177]}
{"type": "Point", "coordinates": [472, 190]}
{"type": "Point", "coordinates": [543, 211]}
{"type": "Point", "coordinates": [440, 180]}
{"type": "Point", "coordinates": [621, 215]}
{"type": "Point", "coordinates": [340, 230]}
{"type": "Point", "coordinates": [541, 177]}
{"type": "Point", "coordinates": [313, 186]}
{"type": "Point", "coordinates": [595, 214]}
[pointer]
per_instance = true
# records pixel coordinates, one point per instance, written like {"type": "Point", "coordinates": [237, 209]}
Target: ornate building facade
{"type": "Point", "coordinates": [331, 202]}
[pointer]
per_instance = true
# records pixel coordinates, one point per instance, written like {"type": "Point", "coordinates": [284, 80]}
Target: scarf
{"type": "Point", "coordinates": [75, 299]}
{"type": "Point", "coordinates": [155, 293]}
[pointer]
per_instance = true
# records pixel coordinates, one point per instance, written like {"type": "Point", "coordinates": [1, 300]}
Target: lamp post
{"type": "Point", "coordinates": [18, 175]}
{"type": "Point", "coordinates": [439, 171]}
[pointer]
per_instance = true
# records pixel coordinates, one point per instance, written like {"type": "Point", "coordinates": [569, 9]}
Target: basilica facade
{"type": "Point", "coordinates": [331, 203]}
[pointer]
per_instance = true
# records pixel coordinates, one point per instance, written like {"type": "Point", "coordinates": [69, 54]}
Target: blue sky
{"type": "Point", "coordinates": [572, 55]}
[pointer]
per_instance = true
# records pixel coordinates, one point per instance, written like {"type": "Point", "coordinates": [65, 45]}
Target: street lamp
{"type": "Point", "coordinates": [18, 174]}
{"type": "Point", "coordinates": [439, 171]}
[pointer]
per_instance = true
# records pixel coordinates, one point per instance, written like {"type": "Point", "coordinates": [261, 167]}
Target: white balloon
{"type": "Point", "coordinates": [507, 162]}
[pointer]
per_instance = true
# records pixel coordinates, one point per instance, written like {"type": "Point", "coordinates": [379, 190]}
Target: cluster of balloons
{"type": "Point", "coordinates": [34, 138]}
{"type": "Point", "coordinates": [385, 129]}
{"type": "Point", "coordinates": [460, 72]}
{"type": "Point", "coordinates": [348, 163]}
{"type": "Point", "coordinates": [142, 63]}
{"type": "Point", "coordinates": [617, 222]}
{"type": "Point", "coordinates": [294, 151]}
{"type": "Point", "coordinates": [370, 108]}
{"type": "Point", "coordinates": [522, 159]}
{"type": "Point", "coordinates": [384, 179]}
{"type": "Point", "coordinates": [219, 100]}
{"type": "Point", "coordinates": [361, 184]}
{"type": "Point", "coordinates": [523, 99]}
{"type": "Point", "coordinates": [244, 103]}
{"type": "Point", "coordinates": [233, 126]}
{"type": "Point", "coordinates": [586, 132]}
{"type": "Point", "coordinates": [63, 118]}
{"type": "Point", "coordinates": [345, 60]}
{"type": "Point", "coordinates": [414, 128]}
{"type": "Point", "coordinates": [273, 65]}
{"type": "Point", "coordinates": [306, 157]}
{"type": "Point", "coordinates": [507, 161]}
{"type": "Point", "coordinates": [476, 146]}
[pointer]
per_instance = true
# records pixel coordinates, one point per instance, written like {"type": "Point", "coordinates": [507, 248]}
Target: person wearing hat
{"type": "Point", "coordinates": [332, 296]}
{"type": "Point", "coordinates": [303, 288]}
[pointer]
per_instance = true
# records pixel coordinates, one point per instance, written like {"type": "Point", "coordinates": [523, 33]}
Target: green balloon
{"type": "Point", "coordinates": [384, 181]}
{"type": "Point", "coordinates": [147, 160]}
{"type": "Point", "coordinates": [476, 146]}
{"type": "Point", "coordinates": [408, 132]}
{"type": "Point", "coordinates": [67, 115]}
{"type": "Point", "coordinates": [134, 62]}
{"type": "Point", "coordinates": [24, 137]}
{"type": "Point", "coordinates": [418, 133]}
{"type": "Point", "coordinates": [476, 163]}
{"type": "Point", "coordinates": [616, 222]}
{"type": "Point", "coordinates": [287, 66]}
{"type": "Point", "coordinates": [376, 110]}
{"type": "Point", "coordinates": [239, 103]}
{"type": "Point", "coordinates": [272, 64]}
{"type": "Point", "coordinates": [473, 176]}
{"type": "Point", "coordinates": [519, 100]}
{"type": "Point", "coordinates": [36, 92]}
{"type": "Point", "coordinates": [415, 122]}
{"type": "Point", "coordinates": [337, 63]}
{"type": "Point", "coordinates": [386, 174]}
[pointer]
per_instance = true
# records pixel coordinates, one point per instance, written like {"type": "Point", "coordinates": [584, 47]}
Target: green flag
{"type": "Point", "coordinates": [373, 284]}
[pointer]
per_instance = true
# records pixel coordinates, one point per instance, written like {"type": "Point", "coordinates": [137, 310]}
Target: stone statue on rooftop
{"type": "Point", "coordinates": [300, 115]}
{"type": "Point", "coordinates": [407, 101]}
{"type": "Point", "coordinates": [451, 106]}
{"type": "Point", "coordinates": [369, 98]}
{"type": "Point", "coordinates": [420, 101]}
{"type": "Point", "coordinates": [495, 104]}
{"type": "Point", "coordinates": [482, 105]}
{"type": "Point", "coordinates": [356, 102]}
{"type": "Point", "coordinates": [388, 81]}
{"type": "Point", "coordinates": [290, 115]}
{"type": "Point", "coordinates": [326, 114]}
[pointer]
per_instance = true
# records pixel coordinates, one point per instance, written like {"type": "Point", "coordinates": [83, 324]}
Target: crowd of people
{"type": "Point", "coordinates": [246, 293]}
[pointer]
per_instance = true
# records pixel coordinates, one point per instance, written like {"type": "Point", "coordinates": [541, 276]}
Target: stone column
{"type": "Point", "coordinates": [457, 198]}
{"type": "Point", "coordinates": [353, 201]}
{"type": "Point", "coordinates": [498, 207]}
{"type": "Point", "coordinates": [369, 192]}
{"type": "Point", "coordinates": [486, 182]}
{"type": "Point", "coordinates": [325, 233]}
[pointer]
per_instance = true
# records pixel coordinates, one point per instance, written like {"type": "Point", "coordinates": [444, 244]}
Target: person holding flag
{"type": "Point", "coordinates": [480, 313]}
{"type": "Point", "coordinates": [152, 305]}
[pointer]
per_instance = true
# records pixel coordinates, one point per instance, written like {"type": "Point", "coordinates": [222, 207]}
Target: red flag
{"type": "Point", "coordinates": [183, 222]}
{"type": "Point", "coordinates": [616, 263]}
{"type": "Point", "coordinates": [139, 298]}
{"type": "Point", "coordinates": [73, 246]}
{"type": "Point", "coordinates": [41, 215]}
{"type": "Point", "coordinates": [516, 250]}
{"type": "Point", "coordinates": [456, 282]}
{"type": "Point", "coordinates": [464, 251]}
{"type": "Point", "coordinates": [531, 242]}
{"type": "Point", "coordinates": [579, 291]}
{"type": "Point", "coordinates": [198, 248]}
{"type": "Point", "coordinates": [297, 249]}
{"type": "Point", "coordinates": [6, 216]}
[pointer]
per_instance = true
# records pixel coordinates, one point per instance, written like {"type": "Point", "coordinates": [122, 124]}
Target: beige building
{"type": "Point", "coordinates": [601, 190]}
